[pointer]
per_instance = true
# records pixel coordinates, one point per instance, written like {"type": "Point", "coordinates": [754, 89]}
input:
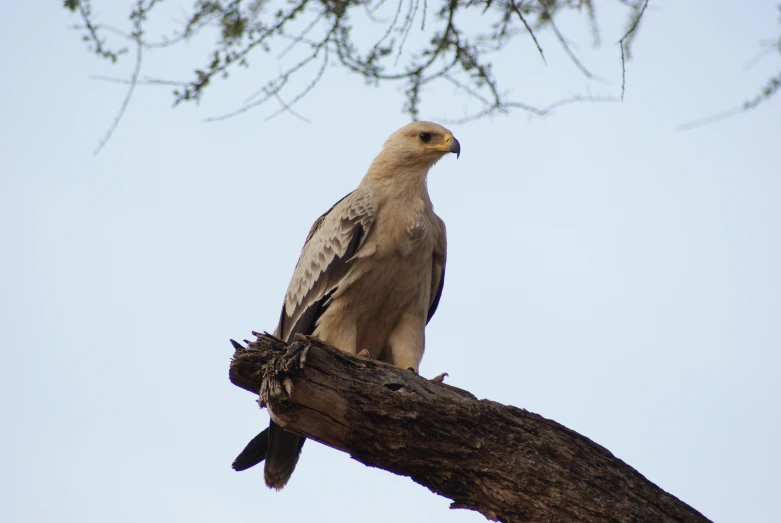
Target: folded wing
{"type": "Point", "coordinates": [325, 259]}
{"type": "Point", "coordinates": [333, 241]}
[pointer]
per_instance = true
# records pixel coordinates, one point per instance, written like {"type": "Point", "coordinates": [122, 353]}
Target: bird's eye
{"type": "Point", "coordinates": [425, 137]}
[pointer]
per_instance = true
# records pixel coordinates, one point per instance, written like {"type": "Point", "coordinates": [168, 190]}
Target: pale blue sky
{"type": "Point", "coordinates": [605, 270]}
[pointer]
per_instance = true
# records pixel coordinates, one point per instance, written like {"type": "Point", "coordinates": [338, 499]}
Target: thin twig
{"type": "Point", "coordinates": [271, 90]}
{"type": "Point", "coordinates": [282, 77]}
{"type": "Point", "coordinates": [635, 23]}
{"type": "Point", "coordinates": [390, 27]}
{"type": "Point", "coordinates": [301, 36]}
{"type": "Point", "coordinates": [772, 88]}
{"type": "Point", "coordinates": [125, 102]}
{"type": "Point", "coordinates": [288, 109]}
{"type": "Point", "coordinates": [528, 28]}
{"type": "Point", "coordinates": [347, 60]}
{"type": "Point", "coordinates": [128, 81]}
{"type": "Point", "coordinates": [241, 55]}
{"type": "Point", "coordinates": [477, 116]}
{"type": "Point", "coordinates": [305, 91]}
{"type": "Point", "coordinates": [770, 47]}
{"type": "Point", "coordinates": [377, 6]}
{"type": "Point", "coordinates": [578, 99]}
{"type": "Point", "coordinates": [622, 41]}
{"type": "Point", "coordinates": [571, 55]}
{"type": "Point", "coordinates": [592, 17]}
{"type": "Point", "coordinates": [92, 29]}
{"type": "Point", "coordinates": [710, 119]}
{"type": "Point", "coordinates": [468, 90]}
{"type": "Point", "coordinates": [535, 111]}
{"type": "Point", "coordinates": [407, 27]}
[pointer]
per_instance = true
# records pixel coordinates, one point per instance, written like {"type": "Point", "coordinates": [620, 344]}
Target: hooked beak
{"type": "Point", "coordinates": [452, 144]}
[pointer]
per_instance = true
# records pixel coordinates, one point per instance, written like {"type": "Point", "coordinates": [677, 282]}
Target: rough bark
{"type": "Point", "coordinates": [506, 463]}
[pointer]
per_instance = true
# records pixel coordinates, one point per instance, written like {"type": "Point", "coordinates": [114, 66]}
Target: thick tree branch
{"type": "Point", "coordinates": [504, 462]}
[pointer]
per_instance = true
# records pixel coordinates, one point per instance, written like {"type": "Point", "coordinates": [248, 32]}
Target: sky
{"type": "Point", "coordinates": [605, 269]}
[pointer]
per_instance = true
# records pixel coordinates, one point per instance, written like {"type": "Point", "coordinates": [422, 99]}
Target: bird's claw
{"type": "Point", "coordinates": [365, 353]}
{"type": "Point", "coordinates": [440, 378]}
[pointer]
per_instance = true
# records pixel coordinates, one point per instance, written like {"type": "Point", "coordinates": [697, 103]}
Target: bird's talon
{"type": "Point", "coordinates": [365, 353]}
{"type": "Point", "coordinates": [440, 378]}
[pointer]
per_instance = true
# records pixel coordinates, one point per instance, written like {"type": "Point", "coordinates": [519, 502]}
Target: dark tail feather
{"type": "Point", "coordinates": [283, 450]}
{"type": "Point", "coordinates": [253, 453]}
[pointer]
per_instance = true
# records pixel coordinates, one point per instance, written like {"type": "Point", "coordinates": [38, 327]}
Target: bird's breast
{"type": "Point", "coordinates": [404, 229]}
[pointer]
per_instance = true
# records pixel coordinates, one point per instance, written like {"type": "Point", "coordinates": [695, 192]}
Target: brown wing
{"type": "Point", "coordinates": [438, 269]}
{"type": "Point", "coordinates": [333, 240]}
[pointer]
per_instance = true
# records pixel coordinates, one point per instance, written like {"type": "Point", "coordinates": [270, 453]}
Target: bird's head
{"type": "Point", "coordinates": [418, 145]}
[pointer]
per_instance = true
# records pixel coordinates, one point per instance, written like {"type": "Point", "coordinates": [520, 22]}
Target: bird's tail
{"type": "Point", "coordinates": [279, 448]}
{"type": "Point", "coordinates": [282, 454]}
{"type": "Point", "coordinates": [253, 453]}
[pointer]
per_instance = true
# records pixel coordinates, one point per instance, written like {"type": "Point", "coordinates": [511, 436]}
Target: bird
{"type": "Point", "coordinates": [370, 275]}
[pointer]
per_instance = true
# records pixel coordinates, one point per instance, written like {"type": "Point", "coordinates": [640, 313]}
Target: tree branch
{"type": "Point", "coordinates": [504, 462]}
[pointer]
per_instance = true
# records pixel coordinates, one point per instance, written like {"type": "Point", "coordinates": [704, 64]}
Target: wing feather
{"type": "Point", "coordinates": [439, 280]}
{"type": "Point", "coordinates": [332, 241]}
{"type": "Point", "coordinates": [438, 269]}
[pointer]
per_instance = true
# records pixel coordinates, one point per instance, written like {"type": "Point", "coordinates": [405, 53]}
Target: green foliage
{"type": "Point", "coordinates": [322, 32]}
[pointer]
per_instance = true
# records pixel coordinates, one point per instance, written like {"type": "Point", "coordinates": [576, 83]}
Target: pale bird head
{"type": "Point", "coordinates": [420, 144]}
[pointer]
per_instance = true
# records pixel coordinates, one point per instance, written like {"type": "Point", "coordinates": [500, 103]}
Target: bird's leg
{"type": "Point", "coordinates": [406, 342]}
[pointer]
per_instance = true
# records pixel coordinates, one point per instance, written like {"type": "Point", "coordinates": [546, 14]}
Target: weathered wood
{"type": "Point", "coordinates": [504, 462]}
